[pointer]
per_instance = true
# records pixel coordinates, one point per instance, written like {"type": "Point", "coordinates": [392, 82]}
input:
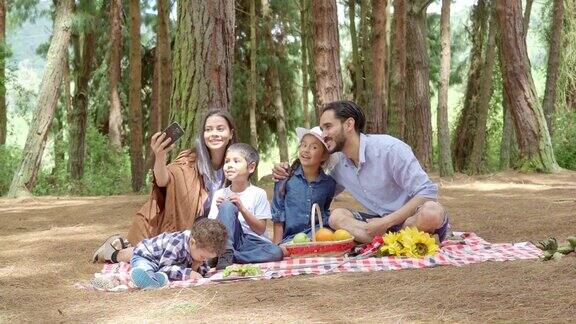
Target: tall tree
{"type": "Point", "coordinates": [115, 116]}
{"type": "Point", "coordinates": [83, 42]}
{"type": "Point", "coordinates": [468, 120]}
{"type": "Point", "coordinates": [25, 176]}
{"type": "Point", "coordinates": [553, 62]}
{"type": "Point", "coordinates": [444, 156]}
{"type": "Point", "coordinates": [418, 116]}
{"type": "Point", "coordinates": [526, 18]}
{"type": "Point", "coordinates": [397, 106]}
{"type": "Point", "coordinates": [485, 93]}
{"type": "Point", "coordinates": [3, 50]}
{"type": "Point", "coordinates": [304, 60]}
{"type": "Point", "coordinates": [275, 81]}
{"type": "Point", "coordinates": [309, 39]}
{"type": "Point", "coordinates": [356, 70]}
{"type": "Point", "coordinates": [519, 91]}
{"type": "Point", "coordinates": [326, 53]}
{"type": "Point", "coordinates": [134, 100]}
{"type": "Point", "coordinates": [253, 76]}
{"type": "Point", "coordinates": [164, 63]}
{"type": "Point", "coordinates": [202, 66]}
{"type": "Point", "coordinates": [379, 50]}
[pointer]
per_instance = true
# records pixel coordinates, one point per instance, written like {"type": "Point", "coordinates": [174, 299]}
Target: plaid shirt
{"type": "Point", "coordinates": [170, 252]}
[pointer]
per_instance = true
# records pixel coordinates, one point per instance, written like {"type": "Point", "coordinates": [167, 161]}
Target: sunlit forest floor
{"type": "Point", "coordinates": [47, 243]}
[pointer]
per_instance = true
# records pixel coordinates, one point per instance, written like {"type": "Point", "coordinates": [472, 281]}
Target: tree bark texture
{"type": "Point", "coordinates": [475, 162]}
{"type": "Point", "coordinates": [275, 81]}
{"type": "Point", "coordinates": [3, 112]}
{"type": "Point", "coordinates": [444, 156]}
{"type": "Point", "coordinates": [304, 57]}
{"type": "Point", "coordinates": [134, 100]}
{"type": "Point", "coordinates": [84, 47]}
{"type": "Point", "coordinates": [397, 107]}
{"type": "Point", "coordinates": [526, 17]}
{"type": "Point", "coordinates": [326, 53]}
{"type": "Point", "coordinates": [25, 176]}
{"type": "Point", "coordinates": [164, 61]}
{"type": "Point", "coordinates": [532, 134]}
{"type": "Point", "coordinates": [418, 116]}
{"type": "Point", "coordinates": [379, 49]}
{"type": "Point", "coordinates": [115, 116]}
{"type": "Point", "coordinates": [468, 120]}
{"type": "Point", "coordinates": [202, 65]}
{"type": "Point", "coordinates": [553, 63]}
{"type": "Point", "coordinates": [356, 70]}
{"type": "Point", "coordinates": [253, 76]}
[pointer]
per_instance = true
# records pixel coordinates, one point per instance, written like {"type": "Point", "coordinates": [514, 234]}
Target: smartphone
{"type": "Point", "coordinates": [174, 132]}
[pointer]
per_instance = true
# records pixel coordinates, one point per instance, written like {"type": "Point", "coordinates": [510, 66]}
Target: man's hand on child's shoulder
{"type": "Point", "coordinates": [280, 171]}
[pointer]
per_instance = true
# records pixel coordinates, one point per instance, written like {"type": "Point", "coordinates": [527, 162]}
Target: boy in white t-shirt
{"type": "Point", "coordinates": [243, 209]}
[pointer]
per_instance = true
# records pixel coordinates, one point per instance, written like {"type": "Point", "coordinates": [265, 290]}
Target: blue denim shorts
{"type": "Point", "coordinates": [442, 231]}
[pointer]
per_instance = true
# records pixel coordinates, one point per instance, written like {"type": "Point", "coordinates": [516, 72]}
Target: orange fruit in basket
{"type": "Point", "coordinates": [341, 235]}
{"type": "Point", "coordinates": [324, 234]}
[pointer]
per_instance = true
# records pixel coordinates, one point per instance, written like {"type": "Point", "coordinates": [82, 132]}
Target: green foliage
{"type": "Point", "coordinates": [105, 172]}
{"type": "Point", "coordinates": [284, 13]}
{"type": "Point", "coordinates": [563, 140]}
{"type": "Point", "coordinates": [9, 159]}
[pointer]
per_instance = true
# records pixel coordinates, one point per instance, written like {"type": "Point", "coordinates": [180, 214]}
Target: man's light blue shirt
{"type": "Point", "coordinates": [387, 177]}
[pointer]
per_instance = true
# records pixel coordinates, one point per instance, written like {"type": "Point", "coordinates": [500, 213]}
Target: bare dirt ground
{"type": "Point", "coordinates": [46, 244]}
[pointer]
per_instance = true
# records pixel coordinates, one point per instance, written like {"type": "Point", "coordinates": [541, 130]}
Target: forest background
{"type": "Point", "coordinates": [120, 84]}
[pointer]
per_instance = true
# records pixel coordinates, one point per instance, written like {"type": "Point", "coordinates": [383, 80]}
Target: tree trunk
{"type": "Point", "coordinates": [253, 76]}
{"type": "Point", "coordinates": [134, 100]}
{"type": "Point", "coordinates": [356, 70]}
{"type": "Point", "coordinates": [326, 53]}
{"type": "Point", "coordinates": [275, 81]}
{"type": "Point", "coordinates": [115, 116]}
{"type": "Point", "coordinates": [379, 50]}
{"type": "Point", "coordinates": [475, 163]}
{"type": "Point", "coordinates": [304, 58]}
{"type": "Point", "coordinates": [444, 156]}
{"type": "Point", "coordinates": [83, 66]}
{"type": "Point", "coordinates": [3, 50]}
{"type": "Point", "coordinates": [553, 63]}
{"type": "Point", "coordinates": [526, 18]}
{"type": "Point", "coordinates": [203, 57]}
{"type": "Point", "coordinates": [468, 119]}
{"type": "Point", "coordinates": [25, 176]}
{"type": "Point", "coordinates": [397, 107]}
{"type": "Point", "coordinates": [164, 61]}
{"type": "Point", "coordinates": [365, 68]}
{"type": "Point", "coordinates": [508, 138]}
{"type": "Point", "coordinates": [310, 51]}
{"type": "Point", "coordinates": [418, 127]}
{"type": "Point", "coordinates": [536, 151]}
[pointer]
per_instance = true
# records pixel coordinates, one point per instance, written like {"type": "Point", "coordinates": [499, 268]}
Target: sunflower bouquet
{"type": "Point", "coordinates": [408, 242]}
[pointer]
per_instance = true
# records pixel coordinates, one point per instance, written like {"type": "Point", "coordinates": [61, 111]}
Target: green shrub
{"type": "Point", "coordinates": [9, 160]}
{"type": "Point", "coordinates": [106, 172]}
{"type": "Point", "coordinates": [563, 140]}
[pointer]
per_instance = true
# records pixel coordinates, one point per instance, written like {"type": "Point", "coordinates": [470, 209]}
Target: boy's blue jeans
{"type": "Point", "coordinates": [139, 262]}
{"type": "Point", "coordinates": [247, 248]}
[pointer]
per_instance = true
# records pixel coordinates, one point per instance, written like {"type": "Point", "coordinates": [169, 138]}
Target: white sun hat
{"type": "Point", "coordinates": [317, 132]}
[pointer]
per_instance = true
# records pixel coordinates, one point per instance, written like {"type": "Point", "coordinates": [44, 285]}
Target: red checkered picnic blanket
{"type": "Point", "coordinates": [461, 250]}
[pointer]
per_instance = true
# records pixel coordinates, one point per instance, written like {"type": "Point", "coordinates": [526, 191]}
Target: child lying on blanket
{"type": "Point", "coordinates": [177, 256]}
{"type": "Point", "coordinates": [307, 184]}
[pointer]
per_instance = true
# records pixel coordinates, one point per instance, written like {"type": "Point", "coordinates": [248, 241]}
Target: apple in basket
{"type": "Point", "coordinates": [301, 238]}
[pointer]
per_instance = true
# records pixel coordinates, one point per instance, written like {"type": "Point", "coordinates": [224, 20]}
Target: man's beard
{"type": "Point", "coordinates": [338, 144]}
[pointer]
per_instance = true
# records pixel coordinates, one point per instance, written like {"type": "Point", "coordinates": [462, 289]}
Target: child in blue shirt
{"type": "Point", "coordinates": [177, 256]}
{"type": "Point", "coordinates": [306, 185]}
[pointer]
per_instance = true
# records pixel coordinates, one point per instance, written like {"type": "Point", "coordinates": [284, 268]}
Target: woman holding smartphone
{"type": "Point", "coordinates": [182, 190]}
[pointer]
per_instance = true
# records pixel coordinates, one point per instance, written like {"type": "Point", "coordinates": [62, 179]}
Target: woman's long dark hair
{"type": "Point", "coordinates": [204, 162]}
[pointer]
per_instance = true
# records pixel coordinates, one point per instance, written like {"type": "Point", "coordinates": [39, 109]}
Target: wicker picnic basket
{"type": "Point", "coordinates": [318, 248]}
